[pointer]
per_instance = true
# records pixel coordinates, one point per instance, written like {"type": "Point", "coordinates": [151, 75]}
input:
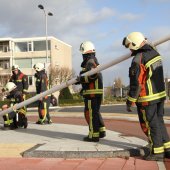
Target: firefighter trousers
{"type": "Point", "coordinates": [15, 120]}
{"type": "Point", "coordinates": [43, 109]}
{"type": "Point", "coordinates": [152, 124]}
{"type": "Point", "coordinates": [93, 116]}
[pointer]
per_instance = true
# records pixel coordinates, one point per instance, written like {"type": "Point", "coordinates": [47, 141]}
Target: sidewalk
{"type": "Point", "coordinates": [60, 146]}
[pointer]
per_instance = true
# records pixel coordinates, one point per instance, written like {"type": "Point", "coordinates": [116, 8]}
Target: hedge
{"type": "Point", "coordinates": [4, 102]}
{"type": "Point", "coordinates": [70, 101]}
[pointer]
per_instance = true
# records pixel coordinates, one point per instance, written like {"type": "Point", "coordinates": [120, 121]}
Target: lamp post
{"type": "Point", "coordinates": [46, 28]}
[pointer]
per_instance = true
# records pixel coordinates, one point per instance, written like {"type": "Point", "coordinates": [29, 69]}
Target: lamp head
{"type": "Point", "coordinates": [50, 14]}
{"type": "Point", "coordinates": [40, 6]}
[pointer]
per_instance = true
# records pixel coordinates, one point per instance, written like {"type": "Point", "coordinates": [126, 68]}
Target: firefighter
{"type": "Point", "coordinates": [147, 90]}
{"type": "Point", "coordinates": [92, 90]}
{"type": "Point", "coordinates": [20, 79]}
{"type": "Point", "coordinates": [41, 86]}
{"type": "Point", "coordinates": [17, 118]}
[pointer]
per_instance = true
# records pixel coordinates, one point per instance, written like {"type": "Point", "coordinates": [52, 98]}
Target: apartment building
{"type": "Point", "coordinates": [26, 52]}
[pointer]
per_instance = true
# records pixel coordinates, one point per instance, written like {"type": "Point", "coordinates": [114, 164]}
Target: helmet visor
{"type": "Point", "coordinates": [14, 68]}
{"type": "Point", "coordinates": [81, 47]}
{"type": "Point", "coordinates": [127, 42]}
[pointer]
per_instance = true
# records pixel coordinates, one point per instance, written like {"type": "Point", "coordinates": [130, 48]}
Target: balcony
{"type": "Point", "coordinates": [5, 71]}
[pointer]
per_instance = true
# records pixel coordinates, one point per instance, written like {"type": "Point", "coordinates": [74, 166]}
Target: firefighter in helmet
{"type": "Point", "coordinates": [92, 90]}
{"type": "Point", "coordinates": [20, 79]}
{"type": "Point", "coordinates": [41, 86]}
{"type": "Point", "coordinates": [147, 91]}
{"type": "Point", "coordinates": [18, 117]}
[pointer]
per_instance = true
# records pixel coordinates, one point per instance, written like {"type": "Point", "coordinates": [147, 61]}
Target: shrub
{"type": "Point", "coordinates": [65, 94]}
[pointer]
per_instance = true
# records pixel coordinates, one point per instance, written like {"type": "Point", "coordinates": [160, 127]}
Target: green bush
{"type": "Point", "coordinates": [65, 94]}
{"type": "Point", "coordinates": [71, 102]}
{"type": "Point", "coordinates": [4, 102]}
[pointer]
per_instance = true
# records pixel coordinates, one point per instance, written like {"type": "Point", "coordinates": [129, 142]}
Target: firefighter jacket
{"type": "Point", "coordinates": [41, 81]}
{"type": "Point", "coordinates": [21, 81]}
{"type": "Point", "coordinates": [16, 96]}
{"type": "Point", "coordinates": [92, 86]}
{"type": "Point", "coordinates": [146, 77]}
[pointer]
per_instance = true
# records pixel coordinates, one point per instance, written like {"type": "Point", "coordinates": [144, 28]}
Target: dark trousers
{"type": "Point", "coordinates": [93, 116]}
{"type": "Point", "coordinates": [14, 119]}
{"type": "Point", "coordinates": [43, 109]}
{"type": "Point", "coordinates": [152, 124]}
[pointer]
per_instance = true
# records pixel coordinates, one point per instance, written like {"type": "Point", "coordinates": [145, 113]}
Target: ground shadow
{"type": "Point", "coordinates": [74, 136]}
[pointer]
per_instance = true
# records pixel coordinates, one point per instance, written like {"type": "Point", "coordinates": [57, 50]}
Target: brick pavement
{"type": "Point", "coordinates": [125, 127]}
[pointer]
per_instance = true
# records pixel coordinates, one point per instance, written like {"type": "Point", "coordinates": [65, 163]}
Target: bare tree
{"type": "Point", "coordinates": [59, 75]}
{"type": "Point", "coordinates": [118, 87]}
{"type": "Point", "coordinates": [3, 80]}
{"type": "Point", "coordinates": [118, 83]}
{"type": "Point", "coordinates": [108, 92]}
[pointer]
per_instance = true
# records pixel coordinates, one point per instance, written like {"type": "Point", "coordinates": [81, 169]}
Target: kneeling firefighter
{"type": "Point", "coordinates": [18, 117]}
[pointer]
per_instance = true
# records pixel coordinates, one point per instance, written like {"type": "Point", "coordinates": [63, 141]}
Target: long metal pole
{"type": "Point", "coordinates": [72, 81]}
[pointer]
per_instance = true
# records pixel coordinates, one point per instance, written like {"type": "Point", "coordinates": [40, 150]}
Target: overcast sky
{"type": "Point", "coordinates": [104, 22]}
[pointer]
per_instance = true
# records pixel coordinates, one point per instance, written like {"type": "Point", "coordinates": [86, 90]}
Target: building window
{"type": "Point", "coordinates": [41, 45]}
{"type": "Point", "coordinates": [24, 62]}
{"type": "Point", "coordinates": [4, 48]}
{"type": "Point", "coordinates": [30, 46]}
{"type": "Point", "coordinates": [4, 64]}
{"type": "Point", "coordinates": [40, 60]}
{"type": "Point", "coordinates": [30, 80]}
{"type": "Point", "coordinates": [21, 47]}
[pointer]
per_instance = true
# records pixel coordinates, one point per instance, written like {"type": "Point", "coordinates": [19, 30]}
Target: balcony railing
{"type": "Point", "coordinates": [5, 71]}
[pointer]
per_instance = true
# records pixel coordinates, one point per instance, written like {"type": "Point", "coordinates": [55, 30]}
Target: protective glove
{"type": "Point", "coordinates": [81, 92]}
{"type": "Point", "coordinates": [129, 105]}
{"type": "Point", "coordinates": [25, 92]}
{"type": "Point", "coordinates": [78, 79]}
{"type": "Point", "coordinates": [4, 107]}
{"type": "Point", "coordinates": [3, 90]}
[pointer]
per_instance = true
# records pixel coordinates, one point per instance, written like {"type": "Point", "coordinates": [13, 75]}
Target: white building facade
{"type": "Point", "coordinates": [26, 52]}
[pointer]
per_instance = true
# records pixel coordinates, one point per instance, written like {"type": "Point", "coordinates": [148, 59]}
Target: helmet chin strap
{"type": "Point", "coordinates": [85, 56]}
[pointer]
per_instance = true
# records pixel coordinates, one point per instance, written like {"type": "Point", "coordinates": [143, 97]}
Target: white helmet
{"type": "Point", "coordinates": [10, 86]}
{"type": "Point", "coordinates": [39, 67]}
{"type": "Point", "coordinates": [134, 41]}
{"type": "Point", "coordinates": [87, 47]}
{"type": "Point", "coordinates": [15, 67]}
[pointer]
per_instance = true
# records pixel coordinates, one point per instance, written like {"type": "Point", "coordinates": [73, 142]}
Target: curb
{"type": "Point", "coordinates": [84, 154]}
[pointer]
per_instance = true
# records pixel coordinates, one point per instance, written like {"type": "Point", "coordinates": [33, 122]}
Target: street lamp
{"type": "Point", "coordinates": [46, 14]}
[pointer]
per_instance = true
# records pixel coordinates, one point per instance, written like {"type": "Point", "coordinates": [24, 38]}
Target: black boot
{"type": "Point", "coordinates": [25, 122]}
{"type": "Point", "coordinates": [38, 122]}
{"type": "Point", "coordinates": [167, 154]}
{"type": "Point", "coordinates": [6, 127]}
{"type": "Point", "coordinates": [13, 126]}
{"type": "Point", "coordinates": [50, 121]}
{"type": "Point", "coordinates": [93, 139]}
{"type": "Point", "coordinates": [102, 134]}
{"type": "Point", "coordinates": [9, 127]}
{"type": "Point", "coordinates": [155, 157]}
